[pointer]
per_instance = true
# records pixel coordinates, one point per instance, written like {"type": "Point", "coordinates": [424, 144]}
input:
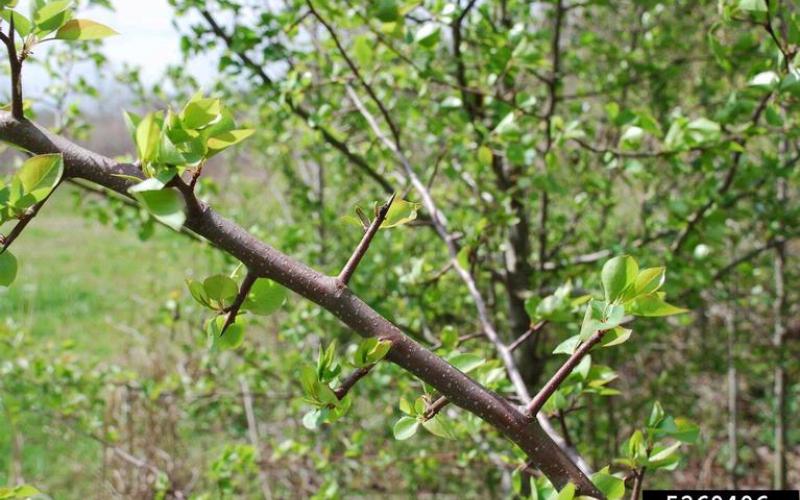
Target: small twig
{"type": "Point", "coordinates": [434, 408]}
{"type": "Point", "coordinates": [233, 310]}
{"type": "Point", "coordinates": [351, 380]}
{"type": "Point", "coordinates": [638, 477]}
{"type": "Point", "coordinates": [15, 63]}
{"type": "Point", "coordinates": [363, 246]}
{"type": "Point", "coordinates": [525, 336]}
{"type": "Point", "coordinates": [24, 220]}
{"type": "Point", "coordinates": [550, 387]}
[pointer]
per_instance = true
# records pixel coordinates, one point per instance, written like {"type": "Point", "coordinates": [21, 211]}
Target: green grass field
{"type": "Point", "coordinates": [99, 288]}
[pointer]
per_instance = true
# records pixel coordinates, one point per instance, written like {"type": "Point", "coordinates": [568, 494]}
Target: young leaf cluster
{"type": "Point", "coordinates": [171, 143]}
{"type": "Point", "coordinates": [31, 185]}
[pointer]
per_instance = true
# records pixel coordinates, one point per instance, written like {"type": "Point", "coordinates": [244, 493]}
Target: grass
{"type": "Point", "coordinates": [100, 288]}
{"type": "Point", "coordinates": [92, 284]}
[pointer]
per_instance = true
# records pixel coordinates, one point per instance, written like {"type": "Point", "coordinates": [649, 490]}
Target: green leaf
{"type": "Point", "coordinates": [678, 428]}
{"type": "Point", "coordinates": [8, 268]}
{"type": "Point", "coordinates": [198, 293]}
{"type": "Point", "coordinates": [166, 205]}
{"type": "Point", "coordinates": [41, 174]}
{"type": "Point", "coordinates": [656, 415]}
{"type": "Point", "coordinates": [485, 156]}
{"type": "Point", "coordinates": [51, 16]}
{"type": "Point", "coordinates": [405, 428]}
{"type": "Point", "coordinates": [401, 212]}
{"type": "Point", "coordinates": [439, 426]}
{"type": "Point", "coordinates": [753, 5]}
{"type": "Point", "coordinates": [221, 289]}
{"type": "Point", "coordinates": [663, 455]}
{"type": "Point", "coordinates": [618, 274]}
{"type": "Point", "coordinates": [428, 35]}
{"type": "Point", "coordinates": [466, 362]}
{"type": "Point", "coordinates": [704, 130]}
{"type": "Point", "coordinates": [265, 297]}
{"type": "Point", "coordinates": [227, 139]}
{"type": "Point", "coordinates": [567, 493]}
{"type": "Point", "coordinates": [616, 336]}
{"type": "Point", "coordinates": [600, 316]}
{"type": "Point", "coordinates": [200, 112]}
{"type": "Point", "coordinates": [231, 338]}
{"type": "Point", "coordinates": [22, 25]}
{"type": "Point", "coordinates": [84, 29]}
{"type": "Point", "coordinates": [568, 346]}
{"type": "Point", "coordinates": [649, 280]}
{"type": "Point", "coordinates": [148, 138]}
{"type": "Point", "coordinates": [611, 486]}
{"type": "Point", "coordinates": [362, 49]}
{"type": "Point", "coordinates": [387, 11]}
{"type": "Point", "coordinates": [653, 305]}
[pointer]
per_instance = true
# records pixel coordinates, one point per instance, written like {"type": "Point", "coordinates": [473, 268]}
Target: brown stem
{"type": "Point", "coordinates": [233, 310]}
{"type": "Point", "coordinates": [434, 408]}
{"type": "Point", "coordinates": [351, 380]}
{"type": "Point", "coordinates": [361, 250]}
{"type": "Point", "coordinates": [24, 220]}
{"type": "Point", "coordinates": [15, 63]}
{"type": "Point", "coordinates": [550, 387]}
{"type": "Point", "coordinates": [525, 336]}
{"type": "Point", "coordinates": [638, 478]}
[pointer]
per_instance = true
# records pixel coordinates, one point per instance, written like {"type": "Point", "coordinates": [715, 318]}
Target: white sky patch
{"type": "Point", "coordinates": [147, 39]}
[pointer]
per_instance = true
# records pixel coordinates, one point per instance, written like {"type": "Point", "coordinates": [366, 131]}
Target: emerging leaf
{"type": "Point", "coordinates": [8, 268]}
{"type": "Point", "coordinates": [40, 175]}
{"type": "Point", "coordinates": [405, 428]}
{"type": "Point", "coordinates": [84, 29]}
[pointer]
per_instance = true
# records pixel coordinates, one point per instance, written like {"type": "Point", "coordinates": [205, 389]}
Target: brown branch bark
{"type": "Point", "coordinates": [351, 380]}
{"type": "Point", "coordinates": [361, 250]}
{"type": "Point", "coordinates": [325, 291]}
{"type": "Point", "coordinates": [558, 378]}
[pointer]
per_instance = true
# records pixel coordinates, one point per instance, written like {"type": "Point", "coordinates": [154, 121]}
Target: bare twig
{"type": "Point", "coordinates": [435, 407]}
{"type": "Point", "coordinates": [351, 380]}
{"type": "Point", "coordinates": [233, 310]}
{"type": "Point", "coordinates": [638, 478]}
{"type": "Point", "coordinates": [15, 63]}
{"type": "Point", "coordinates": [24, 220]}
{"type": "Point", "coordinates": [525, 336]}
{"type": "Point", "coordinates": [352, 263]}
{"type": "Point", "coordinates": [550, 387]}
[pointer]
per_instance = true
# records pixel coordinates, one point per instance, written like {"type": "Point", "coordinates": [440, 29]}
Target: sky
{"type": "Point", "coordinates": [147, 39]}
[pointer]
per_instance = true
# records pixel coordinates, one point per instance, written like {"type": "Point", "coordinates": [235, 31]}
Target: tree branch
{"type": "Point", "coordinates": [233, 310]}
{"type": "Point", "coordinates": [351, 380]}
{"type": "Point", "coordinates": [15, 63]}
{"type": "Point", "coordinates": [525, 336]}
{"type": "Point", "coordinates": [24, 220]}
{"type": "Point", "coordinates": [550, 387]}
{"type": "Point", "coordinates": [350, 267]}
{"type": "Point", "coordinates": [268, 262]}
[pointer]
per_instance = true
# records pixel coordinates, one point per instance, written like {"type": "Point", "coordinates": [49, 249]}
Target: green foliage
{"type": "Point", "coordinates": [8, 268]}
{"type": "Point", "coordinates": [657, 445]}
{"type": "Point", "coordinates": [17, 492]}
{"type": "Point", "coordinates": [168, 144]}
